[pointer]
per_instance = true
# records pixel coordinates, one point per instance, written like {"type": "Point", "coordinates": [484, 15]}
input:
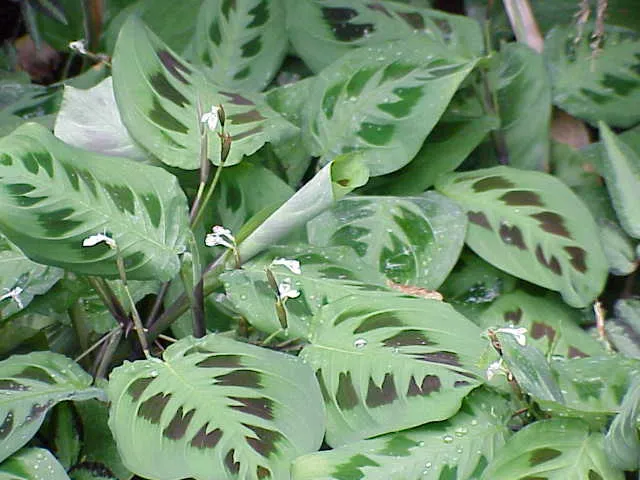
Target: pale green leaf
{"type": "Point", "coordinates": [215, 409]}
{"type": "Point", "coordinates": [455, 449]}
{"type": "Point", "coordinates": [623, 331]}
{"type": "Point", "coordinates": [531, 225]}
{"type": "Point", "coordinates": [410, 240]}
{"type": "Point", "coordinates": [243, 43]}
{"type": "Point", "coordinates": [556, 449]}
{"type": "Point", "coordinates": [389, 363]}
{"type": "Point", "coordinates": [32, 464]}
{"type": "Point", "coordinates": [55, 196]}
{"type": "Point", "coordinates": [384, 99]}
{"type": "Point", "coordinates": [162, 98]}
{"type": "Point", "coordinates": [622, 443]}
{"type": "Point", "coordinates": [29, 386]}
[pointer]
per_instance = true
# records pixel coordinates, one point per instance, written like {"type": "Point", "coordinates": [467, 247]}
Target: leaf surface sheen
{"type": "Point", "coordinates": [32, 464]}
{"type": "Point", "coordinates": [531, 225]}
{"type": "Point", "coordinates": [215, 409]}
{"type": "Point", "coordinates": [385, 364]}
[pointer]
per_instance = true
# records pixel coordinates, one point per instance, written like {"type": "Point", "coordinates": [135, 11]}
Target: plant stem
{"type": "Point", "coordinates": [110, 300]}
{"type": "Point", "coordinates": [137, 322]}
{"type": "Point", "coordinates": [97, 344]}
{"type": "Point", "coordinates": [157, 305]}
{"type": "Point", "coordinates": [198, 217]}
{"type": "Point", "coordinates": [107, 353]}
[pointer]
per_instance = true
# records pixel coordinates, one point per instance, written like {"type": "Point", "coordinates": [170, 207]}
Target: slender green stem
{"type": "Point", "coordinates": [137, 321]}
{"type": "Point", "coordinates": [110, 300]}
{"type": "Point", "coordinates": [157, 305]}
{"type": "Point", "coordinates": [107, 354]}
{"type": "Point", "coordinates": [198, 217]}
{"type": "Point", "coordinates": [103, 339]}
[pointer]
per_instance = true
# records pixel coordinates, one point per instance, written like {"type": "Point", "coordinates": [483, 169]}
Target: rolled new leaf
{"type": "Point", "coordinates": [344, 174]}
{"type": "Point", "coordinates": [53, 197]}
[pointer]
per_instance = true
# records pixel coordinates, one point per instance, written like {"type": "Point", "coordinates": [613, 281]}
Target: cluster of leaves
{"type": "Point", "coordinates": [415, 259]}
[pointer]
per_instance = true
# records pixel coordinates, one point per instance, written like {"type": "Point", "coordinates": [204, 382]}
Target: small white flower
{"type": "Point", "coordinates": [212, 118]}
{"type": "Point", "coordinates": [99, 238]}
{"type": "Point", "coordinates": [14, 295]}
{"type": "Point", "coordinates": [79, 46]}
{"type": "Point", "coordinates": [285, 290]}
{"type": "Point", "coordinates": [494, 369]}
{"type": "Point", "coordinates": [292, 265]}
{"type": "Point", "coordinates": [518, 333]}
{"type": "Point", "coordinates": [220, 236]}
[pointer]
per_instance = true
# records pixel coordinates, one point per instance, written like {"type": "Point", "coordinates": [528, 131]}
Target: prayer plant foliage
{"type": "Point", "coordinates": [409, 334]}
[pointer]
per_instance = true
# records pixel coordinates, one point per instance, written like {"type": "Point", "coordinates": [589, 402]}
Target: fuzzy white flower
{"type": "Point", "coordinates": [285, 290]}
{"type": "Point", "coordinates": [494, 369]}
{"type": "Point", "coordinates": [13, 294]}
{"type": "Point", "coordinates": [518, 333]}
{"type": "Point", "coordinates": [292, 265]}
{"type": "Point", "coordinates": [79, 46]}
{"type": "Point", "coordinates": [212, 118]}
{"type": "Point", "coordinates": [220, 236]}
{"type": "Point", "coordinates": [99, 238]}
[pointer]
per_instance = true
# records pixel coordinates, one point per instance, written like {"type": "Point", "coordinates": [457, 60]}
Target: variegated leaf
{"type": "Point", "coordinates": [327, 274]}
{"type": "Point", "coordinates": [215, 409]}
{"type": "Point", "coordinates": [384, 99]}
{"type": "Point", "coordinates": [161, 99]}
{"type": "Point", "coordinates": [596, 86]}
{"type": "Point", "coordinates": [455, 449]}
{"type": "Point", "coordinates": [531, 225]}
{"type": "Point", "coordinates": [323, 31]}
{"type": "Point", "coordinates": [552, 326]}
{"type": "Point", "coordinates": [410, 240]}
{"type": "Point", "coordinates": [555, 449]}
{"type": "Point", "coordinates": [385, 364]}
{"type": "Point", "coordinates": [32, 464]}
{"type": "Point", "coordinates": [243, 43]}
{"type": "Point", "coordinates": [29, 386]}
{"type": "Point", "coordinates": [54, 196]}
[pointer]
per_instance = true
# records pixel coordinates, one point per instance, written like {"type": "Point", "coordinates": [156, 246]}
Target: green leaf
{"type": "Point", "coordinates": [91, 471]}
{"type": "Point", "coordinates": [243, 43]}
{"type": "Point", "coordinates": [623, 331]}
{"type": "Point", "coordinates": [54, 196]}
{"type": "Point", "coordinates": [18, 272]}
{"type": "Point", "coordinates": [552, 326]}
{"type": "Point", "coordinates": [523, 91]}
{"type": "Point", "coordinates": [327, 274]}
{"type": "Point", "coordinates": [556, 449]}
{"type": "Point", "coordinates": [161, 99]}
{"type": "Point", "coordinates": [66, 434]}
{"type": "Point", "coordinates": [215, 409]}
{"type": "Point", "coordinates": [411, 240]}
{"type": "Point", "coordinates": [22, 102]}
{"type": "Point", "coordinates": [384, 99]}
{"type": "Point", "coordinates": [321, 31]}
{"type": "Point", "coordinates": [32, 384]}
{"type": "Point", "coordinates": [622, 174]}
{"type": "Point", "coordinates": [90, 119]}
{"type": "Point", "coordinates": [386, 363]}
{"type": "Point", "coordinates": [602, 87]}
{"type": "Point", "coordinates": [622, 444]}
{"type": "Point", "coordinates": [32, 464]}
{"type": "Point", "coordinates": [529, 367]}
{"type": "Point", "coordinates": [456, 449]}
{"type": "Point", "coordinates": [341, 176]}
{"type": "Point", "coordinates": [531, 225]}
{"type": "Point", "coordinates": [58, 22]}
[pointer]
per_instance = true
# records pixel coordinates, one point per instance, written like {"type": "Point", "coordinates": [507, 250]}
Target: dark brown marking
{"type": "Point", "coordinates": [578, 258]}
{"type": "Point", "coordinates": [203, 440]}
{"type": "Point", "coordinates": [166, 90]}
{"type": "Point", "coordinates": [513, 317]}
{"type": "Point", "coordinates": [263, 472]}
{"type": "Point", "coordinates": [430, 384]}
{"type": "Point", "coordinates": [552, 264]}
{"type": "Point", "coordinates": [137, 388]}
{"type": "Point", "coordinates": [237, 99]}
{"type": "Point", "coordinates": [542, 455]}
{"type": "Point", "coordinates": [383, 395]}
{"type": "Point", "coordinates": [460, 383]}
{"type": "Point", "coordinates": [378, 320]}
{"type": "Point", "coordinates": [260, 407]}
{"type": "Point", "coordinates": [265, 444]}
{"type": "Point", "coordinates": [413, 19]}
{"type": "Point", "coordinates": [239, 378]}
{"type": "Point", "coordinates": [378, 7]}
{"type": "Point", "coordinates": [445, 358]}
{"type": "Point", "coordinates": [246, 117]}
{"type": "Point", "coordinates": [407, 337]}
{"type": "Point", "coordinates": [492, 183]}
{"type": "Point", "coordinates": [37, 410]}
{"type": "Point", "coordinates": [7, 384]}
{"type": "Point", "coordinates": [7, 425]}
{"type": "Point", "coordinates": [512, 235]}
{"type": "Point", "coordinates": [522, 198]}
{"type": "Point", "coordinates": [346, 396]}
{"type": "Point", "coordinates": [229, 461]}
{"type": "Point", "coordinates": [539, 330]}
{"type": "Point", "coordinates": [479, 218]}
{"type": "Point", "coordinates": [174, 67]}
{"type": "Point", "coordinates": [248, 133]}
{"type": "Point", "coordinates": [152, 408]}
{"type": "Point", "coordinates": [178, 425]}
{"type": "Point", "coordinates": [220, 361]}
{"type": "Point", "coordinates": [575, 353]}
{"type": "Point", "coordinates": [552, 222]}
{"type": "Point", "coordinates": [323, 386]}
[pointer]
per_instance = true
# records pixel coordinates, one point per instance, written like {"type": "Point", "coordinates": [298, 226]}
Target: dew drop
{"type": "Point", "coordinates": [447, 439]}
{"type": "Point", "coordinates": [360, 343]}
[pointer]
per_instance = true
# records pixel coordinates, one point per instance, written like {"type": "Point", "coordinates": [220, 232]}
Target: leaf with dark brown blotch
{"type": "Point", "coordinates": [522, 198]}
{"type": "Point", "coordinates": [479, 218]}
{"type": "Point", "coordinates": [383, 394]}
{"type": "Point", "coordinates": [552, 222]}
{"type": "Point", "coordinates": [430, 383]}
